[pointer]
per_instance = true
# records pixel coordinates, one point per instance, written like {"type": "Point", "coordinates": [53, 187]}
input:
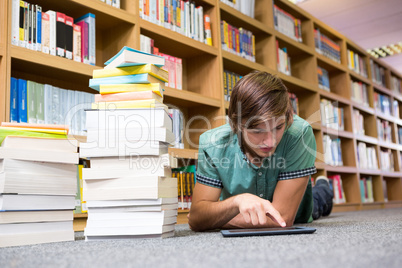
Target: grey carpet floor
{"type": "Point", "coordinates": [349, 239]}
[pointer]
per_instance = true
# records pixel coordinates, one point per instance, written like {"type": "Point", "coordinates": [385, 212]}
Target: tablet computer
{"type": "Point", "coordinates": [267, 231]}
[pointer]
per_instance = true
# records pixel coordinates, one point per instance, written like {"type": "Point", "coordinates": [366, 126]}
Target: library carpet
{"type": "Point", "coordinates": [370, 238]}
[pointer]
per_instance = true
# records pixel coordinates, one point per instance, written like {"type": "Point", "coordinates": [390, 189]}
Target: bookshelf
{"type": "Point", "coordinates": [202, 99]}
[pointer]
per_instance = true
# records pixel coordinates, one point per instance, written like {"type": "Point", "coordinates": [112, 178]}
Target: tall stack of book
{"type": "Point", "coordinates": [38, 171]}
{"type": "Point", "coordinates": [129, 189]}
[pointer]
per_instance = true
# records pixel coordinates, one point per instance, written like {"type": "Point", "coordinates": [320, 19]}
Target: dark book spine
{"type": "Point", "coordinates": [60, 34]}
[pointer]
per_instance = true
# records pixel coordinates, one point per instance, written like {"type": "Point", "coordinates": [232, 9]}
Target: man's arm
{"type": "Point", "coordinates": [286, 200]}
{"type": "Point", "coordinates": [207, 212]}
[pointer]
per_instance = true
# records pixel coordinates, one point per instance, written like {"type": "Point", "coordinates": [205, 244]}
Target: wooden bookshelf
{"type": "Point", "coordinates": [203, 65]}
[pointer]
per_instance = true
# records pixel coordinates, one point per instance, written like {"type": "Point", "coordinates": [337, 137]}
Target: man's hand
{"type": "Point", "coordinates": [255, 210]}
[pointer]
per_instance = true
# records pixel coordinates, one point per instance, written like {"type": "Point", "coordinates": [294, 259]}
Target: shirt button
{"type": "Point", "coordinates": [259, 173]}
{"type": "Point", "coordinates": [261, 195]}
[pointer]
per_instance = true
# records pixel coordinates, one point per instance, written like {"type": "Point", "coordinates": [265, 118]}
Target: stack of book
{"type": "Point", "coordinates": [129, 189]}
{"type": "Point", "coordinates": [38, 176]}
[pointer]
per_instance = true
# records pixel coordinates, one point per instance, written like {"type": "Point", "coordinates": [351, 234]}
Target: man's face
{"type": "Point", "coordinates": [262, 140]}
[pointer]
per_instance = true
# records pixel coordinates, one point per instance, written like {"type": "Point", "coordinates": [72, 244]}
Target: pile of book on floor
{"type": "Point", "coordinates": [38, 176]}
{"type": "Point", "coordinates": [129, 189]}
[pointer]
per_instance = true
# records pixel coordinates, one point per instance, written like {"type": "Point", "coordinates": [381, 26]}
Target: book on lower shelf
{"type": "Point", "coordinates": [129, 179]}
{"type": "Point", "coordinates": [366, 189]}
{"type": "Point", "coordinates": [335, 182]}
{"type": "Point", "coordinates": [332, 116]}
{"type": "Point", "coordinates": [185, 184]}
{"type": "Point", "coordinates": [38, 177]}
{"type": "Point", "coordinates": [366, 156]}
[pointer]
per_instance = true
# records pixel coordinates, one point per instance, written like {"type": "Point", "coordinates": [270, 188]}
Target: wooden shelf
{"type": "Point", "coordinates": [235, 17]}
{"type": "Point", "coordinates": [388, 145]}
{"type": "Point", "coordinates": [363, 108]}
{"type": "Point", "coordinates": [32, 60]}
{"type": "Point", "coordinates": [346, 207]}
{"type": "Point", "coordinates": [174, 43]}
{"type": "Point", "coordinates": [295, 45]}
{"type": "Point", "coordinates": [330, 62]}
{"type": "Point", "coordinates": [359, 77]}
{"type": "Point", "coordinates": [241, 65]}
{"type": "Point", "coordinates": [382, 89]}
{"type": "Point", "coordinates": [340, 133]}
{"type": "Point", "coordinates": [391, 174]}
{"type": "Point", "coordinates": [366, 139]}
{"type": "Point", "coordinates": [341, 169]}
{"type": "Point", "coordinates": [334, 96]}
{"type": "Point", "coordinates": [297, 84]}
{"type": "Point", "coordinates": [106, 16]}
{"type": "Point", "coordinates": [80, 215]}
{"type": "Point", "coordinates": [370, 171]}
{"type": "Point", "coordinates": [227, 105]}
{"type": "Point", "coordinates": [184, 153]}
{"type": "Point", "coordinates": [384, 116]}
{"type": "Point", "coordinates": [188, 99]}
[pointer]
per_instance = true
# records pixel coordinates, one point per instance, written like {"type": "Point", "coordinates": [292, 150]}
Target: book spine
{"type": "Point", "coordinates": [40, 105]}
{"type": "Point", "coordinates": [52, 32]}
{"type": "Point", "coordinates": [77, 43]}
{"type": "Point", "coordinates": [69, 37]}
{"type": "Point", "coordinates": [60, 34]}
{"type": "Point", "coordinates": [45, 33]}
{"type": "Point", "coordinates": [31, 101]}
{"type": "Point", "coordinates": [15, 22]}
{"type": "Point", "coordinates": [38, 28]}
{"type": "Point", "coordinates": [14, 116]}
{"type": "Point", "coordinates": [22, 101]}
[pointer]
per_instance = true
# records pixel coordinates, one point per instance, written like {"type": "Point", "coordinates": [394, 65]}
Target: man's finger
{"type": "Point", "coordinates": [275, 215]}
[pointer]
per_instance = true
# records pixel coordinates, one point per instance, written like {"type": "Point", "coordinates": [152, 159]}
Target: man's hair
{"type": "Point", "coordinates": [258, 97]}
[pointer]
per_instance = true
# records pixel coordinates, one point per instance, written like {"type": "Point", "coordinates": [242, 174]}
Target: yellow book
{"type": "Point", "coordinates": [121, 88]}
{"type": "Point", "coordinates": [137, 69]}
{"type": "Point", "coordinates": [136, 104]}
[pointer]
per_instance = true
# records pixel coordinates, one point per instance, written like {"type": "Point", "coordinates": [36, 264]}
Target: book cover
{"type": "Point", "coordinates": [153, 70]}
{"type": "Point", "coordinates": [22, 100]}
{"type": "Point", "coordinates": [140, 95]}
{"type": "Point", "coordinates": [122, 88]}
{"type": "Point", "coordinates": [129, 57]}
{"type": "Point", "coordinates": [31, 102]}
{"type": "Point", "coordinates": [38, 28]}
{"type": "Point", "coordinates": [150, 103]}
{"type": "Point", "coordinates": [124, 79]}
{"type": "Point", "coordinates": [84, 41]}
{"type": "Point", "coordinates": [40, 105]}
{"type": "Point", "coordinates": [21, 40]}
{"type": "Point", "coordinates": [15, 22]}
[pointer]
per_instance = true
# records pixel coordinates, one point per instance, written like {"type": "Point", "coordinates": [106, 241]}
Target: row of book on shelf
{"type": "Point", "coordinates": [238, 41]}
{"type": "Point", "coordinates": [332, 116]}
{"type": "Point", "coordinates": [246, 7]}
{"type": "Point", "coordinates": [173, 65]}
{"type": "Point", "coordinates": [113, 3]}
{"type": "Point", "coordinates": [183, 17]}
{"type": "Point", "coordinates": [53, 33]}
{"type": "Point", "coordinates": [229, 81]}
{"type": "Point", "coordinates": [283, 59]}
{"type": "Point", "coordinates": [287, 24]}
{"type": "Point", "coordinates": [359, 93]}
{"type": "Point", "coordinates": [323, 79]}
{"type": "Point", "coordinates": [357, 63]}
{"type": "Point", "coordinates": [32, 102]}
{"type": "Point", "coordinates": [377, 73]}
{"type": "Point", "coordinates": [326, 46]}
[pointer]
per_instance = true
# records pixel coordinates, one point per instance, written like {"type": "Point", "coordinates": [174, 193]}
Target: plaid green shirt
{"type": "Point", "coordinates": [222, 164]}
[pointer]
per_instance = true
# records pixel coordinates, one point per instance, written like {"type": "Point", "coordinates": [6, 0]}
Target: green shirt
{"type": "Point", "coordinates": [222, 164]}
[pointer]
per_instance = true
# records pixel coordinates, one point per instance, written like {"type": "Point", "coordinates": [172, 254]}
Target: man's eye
{"type": "Point", "coordinates": [279, 127]}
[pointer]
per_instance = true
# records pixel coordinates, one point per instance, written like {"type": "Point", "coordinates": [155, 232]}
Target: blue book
{"type": "Point", "coordinates": [130, 57]}
{"type": "Point", "coordinates": [38, 28]}
{"type": "Point", "coordinates": [124, 79]}
{"type": "Point", "coordinates": [22, 101]}
{"type": "Point", "coordinates": [14, 117]}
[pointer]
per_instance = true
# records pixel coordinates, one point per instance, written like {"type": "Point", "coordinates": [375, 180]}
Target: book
{"type": "Point", "coordinates": [22, 101]}
{"type": "Point", "coordinates": [128, 203]}
{"type": "Point", "coordinates": [123, 149]}
{"type": "Point", "coordinates": [52, 32]}
{"type": "Point", "coordinates": [77, 36]}
{"type": "Point", "coordinates": [123, 223]}
{"type": "Point", "coordinates": [84, 41]}
{"type": "Point", "coordinates": [35, 233]}
{"type": "Point", "coordinates": [151, 163]}
{"type": "Point", "coordinates": [35, 216]}
{"type": "Point", "coordinates": [125, 96]}
{"type": "Point", "coordinates": [60, 34]}
{"type": "Point", "coordinates": [151, 69]}
{"type": "Point", "coordinates": [129, 230]}
{"type": "Point", "coordinates": [14, 116]}
{"type": "Point", "coordinates": [131, 57]}
{"type": "Point", "coordinates": [124, 79]}
{"type": "Point", "coordinates": [9, 202]}
{"type": "Point", "coordinates": [89, 19]}
{"type": "Point", "coordinates": [69, 37]}
{"type": "Point", "coordinates": [104, 137]}
{"type": "Point", "coordinates": [131, 104]}
{"type": "Point", "coordinates": [157, 88]}
{"type": "Point", "coordinates": [126, 118]}
{"type": "Point", "coordinates": [45, 33]}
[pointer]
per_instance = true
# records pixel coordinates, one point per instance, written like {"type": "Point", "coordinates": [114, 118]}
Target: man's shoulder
{"type": "Point", "coordinates": [298, 127]}
{"type": "Point", "coordinates": [216, 137]}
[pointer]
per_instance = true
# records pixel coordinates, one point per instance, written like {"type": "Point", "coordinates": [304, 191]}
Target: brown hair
{"type": "Point", "coordinates": [258, 97]}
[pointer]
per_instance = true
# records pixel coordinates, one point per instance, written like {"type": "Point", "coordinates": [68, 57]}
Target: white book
{"type": "Point", "coordinates": [123, 214]}
{"type": "Point", "coordinates": [128, 118]}
{"type": "Point", "coordinates": [36, 233]}
{"type": "Point", "coordinates": [201, 23]}
{"type": "Point", "coordinates": [117, 183]}
{"type": "Point", "coordinates": [36, 202]}
{"type": "Point", "coordinates": [96, 174]}
{"type": "Point", "coordinates": [135, 162]}
{"type": "Point", "coordinates": [128, 209]}
{"type": "Point", "coordinates": [52, 32]}
{"type": "Point", "coordinates": [35, 167]}
{"type": "Point", "coordinates": [36, 216]}
{"type": "Point", "coordinates": [128, 203]}
{"type": "Point", "coordinates": [129, 230]}
{"type": "Point", "coordinates": [128, 237]}
{"type": "Point", "coordinates": [15, 22]}
{"type": "Point", "coordinates": [130, 222]}
{"type": "Point", "coordinates": [45, 33]}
